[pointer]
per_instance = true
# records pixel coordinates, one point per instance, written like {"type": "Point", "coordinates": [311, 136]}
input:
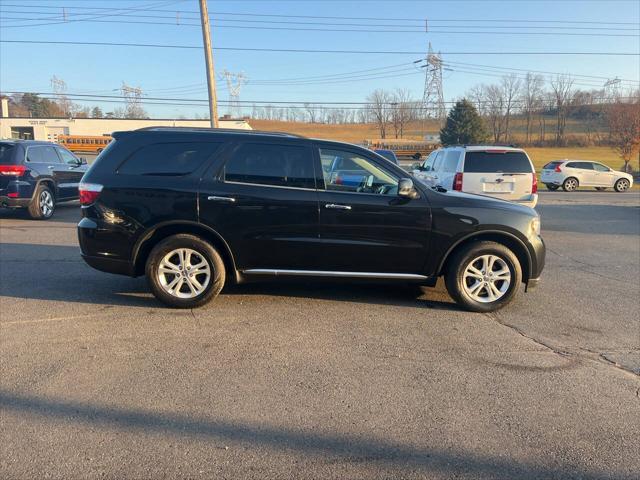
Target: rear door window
{"type": "Point", "coordinates": [271, 165]}
{"type": "Point", "coordinates": [42, 154]}
{"type": "Point", "coordinates": [497, 162]}
{"type": "Point", "coordinates": [168, 159]}
{"type": "Point", "coordinates": [450, 162]}
{"type": "Point", "coordinates": [583, 165]}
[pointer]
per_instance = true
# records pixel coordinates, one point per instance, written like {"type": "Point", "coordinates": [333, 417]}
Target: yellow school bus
{"type": "Point", "coordinates": [84, 143]}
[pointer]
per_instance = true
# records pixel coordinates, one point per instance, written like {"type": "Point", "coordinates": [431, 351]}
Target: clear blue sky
{"type": "Point", "coordinates": [180, 73]}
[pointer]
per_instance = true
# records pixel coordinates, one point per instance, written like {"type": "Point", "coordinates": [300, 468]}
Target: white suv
{"type": "Point", "coordinates": [502, 172]}
{"type": "Point", "coordinates": [571, 174]}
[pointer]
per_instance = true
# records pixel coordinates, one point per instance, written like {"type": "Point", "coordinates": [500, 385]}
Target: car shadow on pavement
{"type": "Point", "coordinates": [68, 212]}
{"type": "Point", "coordinates": [57, 273]}
{"type": "Point", "coordinates": [333, 447]}
{"type": "Point", "coordinates": [591, 218]}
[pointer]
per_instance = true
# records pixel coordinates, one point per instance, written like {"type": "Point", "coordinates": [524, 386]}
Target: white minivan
{"type": "Point", "coordinates": [502, 172]}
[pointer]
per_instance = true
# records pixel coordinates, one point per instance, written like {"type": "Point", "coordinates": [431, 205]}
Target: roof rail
{"type": "Point", "coordinates": [220, 130]}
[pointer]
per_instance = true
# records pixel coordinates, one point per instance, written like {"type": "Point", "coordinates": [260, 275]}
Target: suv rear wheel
{"type": "Point", "coordinates": [43, 203]}
{"type": "Point", "coordinates": [570, 184]}
{"type": "Point", "coordinates": [483, 276]}
{"type": "Point", "coordinates": [184, 271]}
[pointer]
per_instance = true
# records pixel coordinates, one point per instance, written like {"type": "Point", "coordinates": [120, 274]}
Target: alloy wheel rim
{"type": "Point", "coordinates": [571, 184]}
{"type": "Point", "coordinates": [623, 185]}
{"type": "Point", "coordinates": [486, 278]}
{"type": "Point", "coordinates": [46, 203]}
{"type": "Point", "coordinates": [184, 273]}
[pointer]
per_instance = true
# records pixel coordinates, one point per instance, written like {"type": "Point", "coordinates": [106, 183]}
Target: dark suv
{"type": "Point", "coordinates": [37, 175]}
{"type": "Point", "coordinates": [193, 208]}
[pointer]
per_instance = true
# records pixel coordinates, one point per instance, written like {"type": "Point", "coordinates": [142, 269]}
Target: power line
{"type": "Point", "coordinates": [121, 98]}
{"type": "Point", "coordinates": [419, 21]}
{"type": "Point", "coordinates": [348, 30]}
{"type": "Point", "coordinates": [300, 50]}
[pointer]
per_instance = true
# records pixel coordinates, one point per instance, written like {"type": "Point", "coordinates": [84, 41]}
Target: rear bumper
{"type": "Point", "coordinates": [7, 202]}
{"type": "Point", "coordinates": [101, 247]}
{"type": "Point", "coordinates": [109, 265]}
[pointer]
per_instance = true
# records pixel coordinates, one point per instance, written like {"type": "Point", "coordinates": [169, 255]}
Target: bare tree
{"type": "Point", "coordinates": [510, 87]}
{"type": "Point", "coordinates": [402, 111]}
{"type": "Point", "coordinates": [562, 90]}
{"type": "Point", "coordinates": [312, 112]}
{"type": "Point", "coordinates": [624, 125]}
{"type": "Point", "coordinates": [494, 107]}
{"type": "Point", "coordinates": [378, 107]}
{"type": "Point", "coordinates": [532, 99]}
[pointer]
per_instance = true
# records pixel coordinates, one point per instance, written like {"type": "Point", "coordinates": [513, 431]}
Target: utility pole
{"type": "Point", "coordinates": [208, 56]}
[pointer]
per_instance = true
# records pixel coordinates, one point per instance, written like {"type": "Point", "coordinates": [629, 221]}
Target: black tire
{"type": "Point", "coordinates": [204, 250]}
{"type": "Point", "coordinates": [622, 185]}
{"type": "Point", "coordinates": [570, 184]}
{"type": "Point", "coordinates": [601, 189]}
{"type": "Point", "coordinates": [462, 258]}
{"type": "Point", "coordinates": [43, 204]}
{"type": "Point", "coordinates": [552, 187]}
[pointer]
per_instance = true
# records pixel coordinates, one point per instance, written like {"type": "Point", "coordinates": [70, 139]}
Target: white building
{"type": "Point", "coordinates": [49, 128]}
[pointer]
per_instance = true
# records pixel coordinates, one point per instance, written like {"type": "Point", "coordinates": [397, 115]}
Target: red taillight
{"type": "Point", "coordinates": [12, 195]}
{"type": "Point", "coordinates": [457, 182]}
{"type": "Point", "coordinates": [534, 184]}
{"type": "Point", "coordinates": [557, 169]}
{"type": "Point", "coordinates": [89, 193]}
{"type": "Point", "coordinates": [12, 170]}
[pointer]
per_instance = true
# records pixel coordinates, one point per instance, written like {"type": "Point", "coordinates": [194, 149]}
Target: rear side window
{"type": "Point", "coordinates": [168, 159]}
{"type": "Point", "coordinates": [489, 162]}
{"type": "Point", "coordinates": [583, 165]}
{"type": "Point", "coordinates": [450, 161]}
{"type": "Point", "coordinates": [6, 153]}
{"type": "Point", "coordinates": [274, 165]}
{"type": "Point", "coordinates": [42, 154]}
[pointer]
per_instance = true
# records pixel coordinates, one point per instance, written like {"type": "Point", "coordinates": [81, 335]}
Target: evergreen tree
{"type": "Point", "coordinates": [464, 125]}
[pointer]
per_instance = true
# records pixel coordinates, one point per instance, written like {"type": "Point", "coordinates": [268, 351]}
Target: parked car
{"type": "Point", "coordinates": [571, 174]}
{"type": "Point", "coordinates": [502, 172]}
{"type": "Point", "coordinates": [193, 208]}
{"type": "Point", "coordinates": [37, 176]}
{"type": "Point", "coordinates": [389, 155]}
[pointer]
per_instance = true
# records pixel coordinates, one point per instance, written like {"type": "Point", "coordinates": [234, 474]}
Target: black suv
{"type": "Point", "coordinates": [36, 175]}
{"type": "Point", "coordinates": [193, 208]}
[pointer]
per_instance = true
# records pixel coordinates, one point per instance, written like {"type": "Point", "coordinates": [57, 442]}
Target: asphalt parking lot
{"type": "Point", "coordinates": [98, 380]}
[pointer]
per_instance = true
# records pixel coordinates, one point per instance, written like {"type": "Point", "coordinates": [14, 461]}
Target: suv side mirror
{"type": "Point", "coordinates": [406, 189]}
{"type": "Point", "coordinates": [83, 161]}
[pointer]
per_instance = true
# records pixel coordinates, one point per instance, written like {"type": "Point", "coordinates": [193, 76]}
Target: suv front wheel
{"type": "Point", "coordinates": [184, 271]}
{"type": "Point", "coordinates": [483, 276]}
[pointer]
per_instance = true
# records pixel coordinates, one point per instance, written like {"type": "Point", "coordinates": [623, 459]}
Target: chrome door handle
{"type": "Point", "coordinates": [215, 198]}
{"type": "Point", "coordinates": [51, 167]}
{"type": "Point", "coordinates": [334, 206]}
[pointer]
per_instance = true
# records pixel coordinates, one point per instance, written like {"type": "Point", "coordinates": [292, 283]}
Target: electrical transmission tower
{"type": "Point", "coordinates": [59, 87]}
{"type": "Point", "coordinates": [235, 81]}
{"type": "Point", "coordinates": [433, 97]}
{"type": "Point", "coordinates": [133, 99]}
{"type": "Point", "coordinates": [612, 88]}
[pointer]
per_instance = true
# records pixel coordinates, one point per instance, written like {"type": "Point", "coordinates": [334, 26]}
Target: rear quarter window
{"type": "Point", "coordinates": [168, 159]}
{"type": "Point", "coordinates": [7, 151]}
{"type": "Point", "coordinates": [503, 162]}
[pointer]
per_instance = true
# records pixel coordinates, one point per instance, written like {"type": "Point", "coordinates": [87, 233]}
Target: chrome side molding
{"type": "Point", "coordinates": [325, 273]}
